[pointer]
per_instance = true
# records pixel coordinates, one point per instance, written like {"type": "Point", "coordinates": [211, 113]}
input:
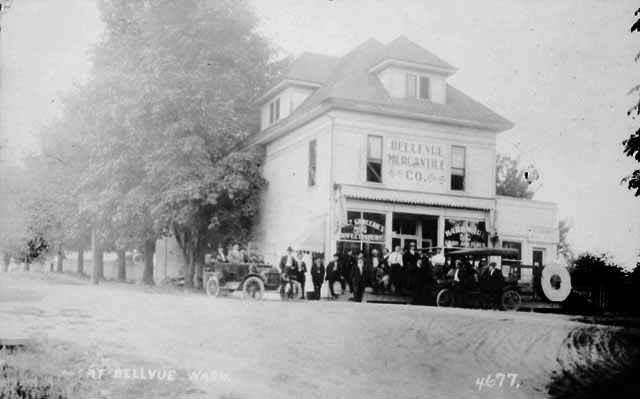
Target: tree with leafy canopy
{"type": "Point", "coordinates": [171, 99]}
{"type": "Point", "coordinates": [564, 248]}
{"type": "Point", "coordinates": [631, 145]}
{"type": "Point", "coordinates": [509, 181]}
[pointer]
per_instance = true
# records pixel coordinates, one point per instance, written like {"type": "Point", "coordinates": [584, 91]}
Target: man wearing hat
{"type": "Point", "coordinates": [288, 262]}
{"type": "Point", "coordinates": [334, 271]}
{"type": "Point", "coordinates": [358, 279]}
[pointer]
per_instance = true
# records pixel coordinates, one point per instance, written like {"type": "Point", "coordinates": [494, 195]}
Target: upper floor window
{"type": "Point", "coordinates": [412, 84]}
{"type": "Point", "coordinates": [374, 159]}
{"type": "Point", "coordinates": [274, 111]}
{"type": "Point", "coordinates": [418, 86]}
{"type": "Point", "coordinates": [312, 163]}
{"type": "Point", "coordinates": [457, 167]}
{"type": "Point", "coordinates": [424, 87]}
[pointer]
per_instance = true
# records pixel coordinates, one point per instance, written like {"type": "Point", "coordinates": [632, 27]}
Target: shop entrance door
{"type": "Point", "coordinates": [421, 230]}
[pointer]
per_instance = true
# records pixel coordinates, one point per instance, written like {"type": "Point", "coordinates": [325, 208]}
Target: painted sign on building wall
{"type": "Point", "coordinates": [416, 165]}
{"type": "Point", "coordinates": [465, 234]}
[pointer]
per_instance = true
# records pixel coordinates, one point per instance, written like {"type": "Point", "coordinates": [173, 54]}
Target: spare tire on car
{"type": "Point", "coordinates": [556, 283]}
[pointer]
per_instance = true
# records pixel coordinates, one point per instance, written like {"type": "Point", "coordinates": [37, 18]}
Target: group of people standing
{"type": "Point", "coordinates": [399, 272]}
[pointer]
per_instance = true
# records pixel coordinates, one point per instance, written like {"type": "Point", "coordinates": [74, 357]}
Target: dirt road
{"type": "Point", "coordinates": [316, 349]}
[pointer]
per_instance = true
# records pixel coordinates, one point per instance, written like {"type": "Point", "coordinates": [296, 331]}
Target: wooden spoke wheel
{"type": "Point", "coordinates": [213, 286]}
{"type": "Point", "coordinates": [445, 298]}
{"type": "Point", "coordinates": [511, 300]}
{"type": "Point", "coordinates": [253, 288]}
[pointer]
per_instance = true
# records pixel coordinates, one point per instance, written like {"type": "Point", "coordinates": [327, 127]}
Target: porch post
{"type": "Point", "coordinates": [388, 230]}
{"type": "Point", "coordinates": [441, 231]}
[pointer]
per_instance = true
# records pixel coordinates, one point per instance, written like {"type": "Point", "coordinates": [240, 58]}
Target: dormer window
{"type": "Point", "coordinates": [418, 87]}
{"type": "Point", "coordinates": [274, 111]}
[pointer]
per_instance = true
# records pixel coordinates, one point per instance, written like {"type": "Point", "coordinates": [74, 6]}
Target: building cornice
{"type": "Point", "coordinates": [297, 119]}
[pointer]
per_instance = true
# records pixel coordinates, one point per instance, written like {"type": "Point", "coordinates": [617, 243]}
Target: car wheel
{"type": "Point", "coordinates": [213, 286]}
{"type": "Point", "coordinates": [253, 288]}
{"type": "Point", "coordinates": [444, 298]}
{"type": "Point", "coordinates": [511, 300]}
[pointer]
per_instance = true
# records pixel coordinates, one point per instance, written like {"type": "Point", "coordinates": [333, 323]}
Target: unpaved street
{"type": "Point", "coordinates": [271, 349]}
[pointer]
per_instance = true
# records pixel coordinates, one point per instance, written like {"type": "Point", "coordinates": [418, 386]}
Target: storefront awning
{"type": "Point", "coordinates": [417, 198]}
{"type": "Point", "coordinates": [313, 238]}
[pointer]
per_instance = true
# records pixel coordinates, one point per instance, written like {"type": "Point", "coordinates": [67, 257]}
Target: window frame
{"type": "Point", "coordinates": [413, 87]}
{"type": "Point", "coordinates": [370, 160]}
{"type": "Point", "coordinates": [274, 111]}
{"type": "Point", "coordinates": [413, 90]}
{"type": "Point", "coordinates": [463, 169]}
{"type": "Point", "coordinates": [419, 88]}
{"type": "Point", "coordinates": [312, 166]}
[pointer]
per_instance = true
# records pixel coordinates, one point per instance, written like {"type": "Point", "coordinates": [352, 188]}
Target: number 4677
{"type": "Point", "coordinates": [497, 380]}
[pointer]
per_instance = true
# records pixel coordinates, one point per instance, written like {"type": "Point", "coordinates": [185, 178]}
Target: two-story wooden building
{"type": "Point", "coordinates": [377, 149]}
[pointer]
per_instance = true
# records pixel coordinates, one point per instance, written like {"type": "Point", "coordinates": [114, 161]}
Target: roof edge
{"type": "Point", "coordinates": [284, 83]}
{"type": "Point", "coordinates": [414, 65]}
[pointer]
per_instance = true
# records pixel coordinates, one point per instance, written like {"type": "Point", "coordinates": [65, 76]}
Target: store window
{"type": "Point", "coordinates": [457, 168]}
{"type": "Point", "coordinates": [312, 163]}
{"type": "Point", "coordinates": [374, 159]}
{"type": "Point", "coordinates": [461, 233]}
{"type": "Point", "coordinates": [364, 231]}
{"type": "Point", "coordinates": [513, 245]}
{"type": "Point", "coordinates": [274, 111]}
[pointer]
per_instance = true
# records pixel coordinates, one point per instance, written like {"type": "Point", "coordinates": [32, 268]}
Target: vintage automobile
{"type": "Point", "coordinates": [449, 293]}
{"type": "Point", "coordinates": [545, 287]}
{"type": "Point", "coordinates": [250, 278]}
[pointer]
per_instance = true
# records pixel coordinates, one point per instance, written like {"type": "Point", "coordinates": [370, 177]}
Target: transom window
{"type": "Point", "coordinates": [457, 168]}
{"type": "Point", "coordinates": [374, 159]}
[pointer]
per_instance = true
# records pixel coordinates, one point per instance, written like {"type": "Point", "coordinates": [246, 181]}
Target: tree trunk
{"type": "Point", "coordinates": [97, 273]}
{"type": "Point", "coordinates": [188, 271]}
{"type": "Point", "coordinates": [122, 266]}
{"type": "Point", "coordinates": [26, 262]}
{"type": "Point", "coordinates": [147, 273]}
{"type": "Point", "coordinates": [80, 266]}
{"type": "Point", "coordinates": [60, 260]}
{"type": "Point", "coordinates": [6, 261]}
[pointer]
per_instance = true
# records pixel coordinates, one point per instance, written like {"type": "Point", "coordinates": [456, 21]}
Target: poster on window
{"type": "Point", "coordinates": [416, 165]}
{"type": "Point", "coordinates": [365, 227]}
{"type": "Point", "coordinates": [459, 233]}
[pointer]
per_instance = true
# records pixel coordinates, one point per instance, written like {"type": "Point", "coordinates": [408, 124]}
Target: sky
{"type": "Point", "coordinates": [561, 71]}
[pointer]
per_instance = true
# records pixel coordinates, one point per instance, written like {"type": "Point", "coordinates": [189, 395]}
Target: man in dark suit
{"type": "Point", "coordinates": [495, 283]}
{"type": "Point", "coordinates": [334, 273]}
{"type": "Point", "coordinates": [348, 263]}
{"type": "Point", "coordinates": [317, 276]}
{"type": "Point", "coordinates": [410, 262]}
{"type": "Point", "coordinates": [358, 279]}
{"type": "Point", "coordinates": [288, 263]}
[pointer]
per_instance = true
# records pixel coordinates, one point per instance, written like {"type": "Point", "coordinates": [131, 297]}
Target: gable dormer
{"type": "Point", "coordinates": [305, 75]}
{"type": "Point", "coordinates": [412, 81]}
{"type": "Point", "coordinates": [409, 71]}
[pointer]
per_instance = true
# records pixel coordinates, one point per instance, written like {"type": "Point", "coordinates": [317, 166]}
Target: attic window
{"type": "Point", "coordinates": [274, 111]}
{"type": "Point", "coordinates": [418, 87]}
